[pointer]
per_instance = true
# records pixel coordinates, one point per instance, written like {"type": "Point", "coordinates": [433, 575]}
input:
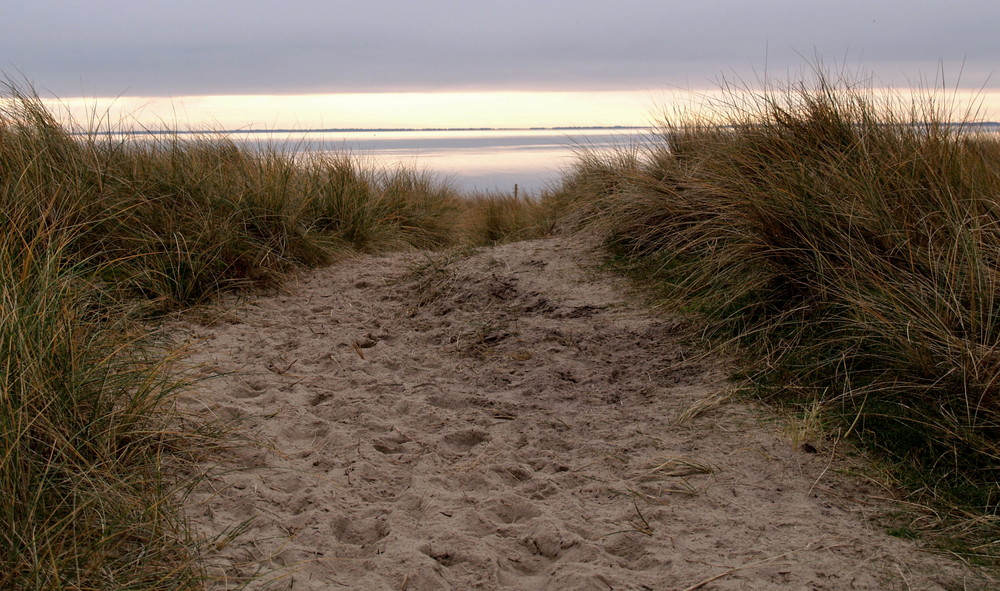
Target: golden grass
{"type": "Point", "coordinates": [99, 229]}
{"type": "Point", "coordinates": [850, 243]}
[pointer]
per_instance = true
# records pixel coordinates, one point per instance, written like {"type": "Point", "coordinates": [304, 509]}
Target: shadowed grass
{"type": "Point", "coordinates": [371, 210]}
{"type": "Point", "coordinates": [494, 218]}
{"type": "Point", "coordinates": [851, 243]}
{"type": "Point", "coordinates": [84, 502]}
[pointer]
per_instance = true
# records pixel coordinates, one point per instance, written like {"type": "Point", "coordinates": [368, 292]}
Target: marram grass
{"type": "Point", "coordinates": [101, 227]}
{"type": "Point", "coordinates": [851, 244]}
{"type": "Point", "coordinates": [174, 219]}
{"type": "Point", "coordinates": [494, 218]}
{"type": "Point", "coordinates": [84, 502]}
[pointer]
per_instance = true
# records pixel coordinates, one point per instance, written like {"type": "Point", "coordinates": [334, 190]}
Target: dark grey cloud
{"type": "Point", "coordinates": [111, 47]}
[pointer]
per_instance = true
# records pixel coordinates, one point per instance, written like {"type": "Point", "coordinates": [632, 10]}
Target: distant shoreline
{"type": "Point", "coordinates": [985, 124]}
{"type": "Point", "coordinates": [366, 130]}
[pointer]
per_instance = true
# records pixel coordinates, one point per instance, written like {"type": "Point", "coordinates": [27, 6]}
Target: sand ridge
{"type": "Point", "coordinates": [505, 418]}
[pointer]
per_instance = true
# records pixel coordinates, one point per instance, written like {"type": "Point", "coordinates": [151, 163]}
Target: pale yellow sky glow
{"type": "Point", "coordinates": [370, 110]}
{"type": "Point", "coordinates": [419, 110]}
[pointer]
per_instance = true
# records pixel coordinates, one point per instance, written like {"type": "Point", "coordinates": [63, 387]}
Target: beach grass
{"type": "Point", "coordinates": [85, 502]}
{"type": "Point", "coordinates": [495, 218]}
{"type": "Point", "coordinates": [848, 241]}
{"type": "Point", "coordinates": [105, 229]}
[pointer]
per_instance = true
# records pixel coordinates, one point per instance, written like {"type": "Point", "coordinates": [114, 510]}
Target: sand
{"type": "Point", "coordinates": [509, 418]}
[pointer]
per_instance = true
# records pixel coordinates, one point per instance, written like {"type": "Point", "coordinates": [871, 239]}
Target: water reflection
{"type": "Point", "coordinates": [474, 160]}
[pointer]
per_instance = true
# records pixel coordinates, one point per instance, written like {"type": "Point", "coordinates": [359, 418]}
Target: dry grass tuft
{"type": "Point", "coordinates": [849, 242]}
{"type": "Point", "coordinates": [106, 226]}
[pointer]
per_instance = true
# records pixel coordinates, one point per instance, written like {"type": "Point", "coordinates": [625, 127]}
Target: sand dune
{"type": "Point", "coordinates": [506, 419]}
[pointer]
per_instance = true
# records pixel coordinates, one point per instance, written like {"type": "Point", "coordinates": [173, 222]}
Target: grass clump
{"type": "Point", "coordinates": [851, 242]}
{"type": "Point", "coordinates": [495, 218]}
{"type": "Point", "coordinates": [83, 494]}
{"type": "Point", "coordinates": [174, 219]}
{"type": "Point", "coordinates": [370, 210]}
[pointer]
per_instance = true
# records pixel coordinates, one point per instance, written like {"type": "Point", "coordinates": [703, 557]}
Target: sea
{"type": "Point", "coordinates": [471, 160]}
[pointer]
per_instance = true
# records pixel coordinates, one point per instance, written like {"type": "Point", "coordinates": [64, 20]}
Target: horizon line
{"type": "Point", "coordinates": [361, 129]}
{"type": "Point", "coordinates": [408, 129]}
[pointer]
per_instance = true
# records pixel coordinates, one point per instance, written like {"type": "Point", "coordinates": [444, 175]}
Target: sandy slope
{"type": "Point", "coordinates": [505, 420]}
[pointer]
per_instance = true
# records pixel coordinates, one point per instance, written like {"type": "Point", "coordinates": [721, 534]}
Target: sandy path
{"type": "Point", "coordinates": [504, 420]}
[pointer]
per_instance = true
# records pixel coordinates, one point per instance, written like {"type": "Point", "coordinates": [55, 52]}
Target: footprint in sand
{"type": "Point", "coordinates": [633, 550]}
{"type": "Point", "coordinates": [250, 388]}
{"type": "Point", "coordinates": [360, 532]}
{"type": "Point", "coordinates": [511, 509]}
{"type": "Point", "coordinates": [450, 402]}
{"type": "Point", "coordinates": [306, 430]}
{"type": "Point", "coordinates": [511, 473]}
{"type": "Point", "coordinates": [392, 445]}
{"type": "Point", "coordinates": [540, 490]}
{"type": "Point", "coordinates": [549, 539]}
{"type": "Point", "coordinates": [463, 441]}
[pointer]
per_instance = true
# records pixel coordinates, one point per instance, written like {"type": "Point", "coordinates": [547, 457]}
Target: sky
{"type": "Point", "coordinates": [442, 63]}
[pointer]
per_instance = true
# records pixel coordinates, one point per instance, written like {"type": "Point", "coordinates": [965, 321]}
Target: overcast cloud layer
{"type": "Point", "coordinates": [181, 47]}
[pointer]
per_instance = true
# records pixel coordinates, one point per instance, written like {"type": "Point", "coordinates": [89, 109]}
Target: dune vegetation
{"type": "Point", "coordinates": [846, 243]}
{"type": "Point", "coordinates": [103, 230]}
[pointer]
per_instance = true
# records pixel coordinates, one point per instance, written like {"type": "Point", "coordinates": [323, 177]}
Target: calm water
{"type": "Point", "coordinates": [481, 160]}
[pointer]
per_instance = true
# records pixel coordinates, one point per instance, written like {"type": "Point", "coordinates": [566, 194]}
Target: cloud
{"type": "Point", "coordinates": [110, 47]}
